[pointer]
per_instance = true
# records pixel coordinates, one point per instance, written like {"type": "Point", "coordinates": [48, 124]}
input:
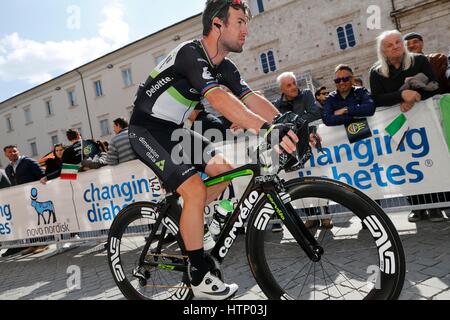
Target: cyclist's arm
{"type": "Point", "coordinates": [261, 106]}
{"type": "Point", "coordinates": [234, 110]}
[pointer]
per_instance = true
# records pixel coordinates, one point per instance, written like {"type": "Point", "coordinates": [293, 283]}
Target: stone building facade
{"type": "Point", "coordinates": [307, 37]}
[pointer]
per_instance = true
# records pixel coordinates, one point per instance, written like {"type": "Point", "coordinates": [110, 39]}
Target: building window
{"type": "Point", "coordinates": [98, 88]}
{"type": "Point", "coordinates": [268, 62]}
{"type": "Point", "coordinates": [72, 98]}
{"type": "Point", "coordinates": [126, 76]}
{"type": "Point", "coordinates": [257, 7]}
{"type": "Point", "coordinates": [260, 4]}
{"type": "Point", "coordinates": [49, 108]}
{"type": "Point", "coordinates": [9, 125]}
{"type": "Point", "coordinates": [34, 150]}
{"type": "Point", "coordinates": [55, 140]}
{"type": "Point", "coordinates": [346, 36]}
{"type": "Point", "coordinates": [28, 117]}
{"type": "Point", "coordinates": [104, 127]}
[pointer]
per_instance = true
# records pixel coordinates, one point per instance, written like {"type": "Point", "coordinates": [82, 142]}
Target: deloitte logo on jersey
{"type": "Point", "coordinates": [158, 85]}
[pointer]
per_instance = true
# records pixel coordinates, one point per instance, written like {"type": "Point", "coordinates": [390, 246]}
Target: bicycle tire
{"type": "Point", "coordinates": [172, 251]}
{"type": "Point", "coordinates": [391, 261]}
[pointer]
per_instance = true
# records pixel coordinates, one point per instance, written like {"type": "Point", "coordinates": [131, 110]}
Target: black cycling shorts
{"type": "Point", "coordinates": [173, 153]}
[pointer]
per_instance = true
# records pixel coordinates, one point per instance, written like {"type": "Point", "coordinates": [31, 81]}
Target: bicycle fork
{"type": "Point", "coordinates": [296, 227]}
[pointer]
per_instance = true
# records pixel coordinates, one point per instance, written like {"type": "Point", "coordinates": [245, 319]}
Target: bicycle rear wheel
{"type": "Point", "coordinates": [357, 263]}
{"type": "Point", "coordinates": [163, 275]}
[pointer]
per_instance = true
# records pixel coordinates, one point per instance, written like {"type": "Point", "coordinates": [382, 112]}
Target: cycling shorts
{"type": "Point", "coordinates": [173, 153]}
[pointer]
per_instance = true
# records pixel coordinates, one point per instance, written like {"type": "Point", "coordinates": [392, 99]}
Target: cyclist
{"type": "Point", "coordinates": [193, 70]}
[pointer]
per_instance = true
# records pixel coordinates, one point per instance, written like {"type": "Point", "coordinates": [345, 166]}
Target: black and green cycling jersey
{"type": "Point", "coordinates": [177, 85]}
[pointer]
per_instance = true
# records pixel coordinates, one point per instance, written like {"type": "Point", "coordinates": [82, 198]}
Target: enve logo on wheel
{"type": "Point", "coordinates": [387, 259]}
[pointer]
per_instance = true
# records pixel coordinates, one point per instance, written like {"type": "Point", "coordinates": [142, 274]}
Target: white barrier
{"type": "Point", "coordinates": [92, 202]}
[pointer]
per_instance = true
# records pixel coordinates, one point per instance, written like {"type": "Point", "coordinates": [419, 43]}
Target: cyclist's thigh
{"type": "Point", "coordinates": [157, 150]}
{"type": "Point", "coordinates": [198, 150]}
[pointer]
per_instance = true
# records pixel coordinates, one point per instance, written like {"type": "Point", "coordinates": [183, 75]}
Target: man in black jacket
{"type": "Point", "coordinates": [22, 170]}
{"type": "Point", "coordinates": [74, 154]}
{"type": "Point", "coordinates": [301, 102]}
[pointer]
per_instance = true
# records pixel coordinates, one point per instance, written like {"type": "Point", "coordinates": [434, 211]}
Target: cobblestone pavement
{"type": "Point", "coordinates": [48, 276]}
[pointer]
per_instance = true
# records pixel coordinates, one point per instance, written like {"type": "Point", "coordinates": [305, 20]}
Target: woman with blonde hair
{"type": "Point", "coordinates": [394, 67]}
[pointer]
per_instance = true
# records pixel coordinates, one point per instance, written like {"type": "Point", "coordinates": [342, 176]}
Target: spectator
{"type": "Point", "coordinates": [438, 61]}
{"type": "Point", "coordinates": [303, 103]}
{"type": "Point", "coordinates": [73, 154]}
{"type": "Point", "coordinates": [293, 99]}
{"type": "Point", "coordinates": [117, 151]}
{"type": "Point", "coordinates": [53, 165]}
{"type": "Point", "coordinates": [395, 65]}
{"type": "Point", "coordinates": [4, 180]}
{"type": "Point", "coordinates": [347, 102]}
{"type": "Point", "coordinates": [321, 96]}
{"type": "Point", "coordinates": [20, 171]}
{"type": "Point", "coordinates": [357, 82]}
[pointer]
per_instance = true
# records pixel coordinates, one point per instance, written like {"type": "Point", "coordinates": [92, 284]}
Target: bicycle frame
{"type": "Point", "coordinates": [265, 186]}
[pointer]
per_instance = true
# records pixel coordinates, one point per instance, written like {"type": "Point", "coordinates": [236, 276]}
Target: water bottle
{"type": "Point", "coordinates": [223, 210]}
{"type": "Point", "coordinates": [208, 241]}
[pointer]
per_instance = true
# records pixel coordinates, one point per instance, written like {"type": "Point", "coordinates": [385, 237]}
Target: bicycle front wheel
{"type": "Point", "coordinates": [163, 273]}
{"type": "Point", "coordinates": [362, 255]}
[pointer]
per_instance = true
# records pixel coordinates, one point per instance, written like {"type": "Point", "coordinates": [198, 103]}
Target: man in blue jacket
{"type": "Point", "coordinates": [22, 169]}
{"type": "Point", "coordinates": [347, 102]}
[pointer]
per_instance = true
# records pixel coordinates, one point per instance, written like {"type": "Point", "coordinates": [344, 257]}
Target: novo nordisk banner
{"type": "Point", "coordinates": [421, 165]}
{"type": "Point", "coordinates": [88, 204]}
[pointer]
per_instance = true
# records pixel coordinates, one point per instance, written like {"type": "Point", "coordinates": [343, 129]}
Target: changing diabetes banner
{"type": "Point", "coordinates": [378, 165]}
{"type": "Point", "coordinates": [374, 165]}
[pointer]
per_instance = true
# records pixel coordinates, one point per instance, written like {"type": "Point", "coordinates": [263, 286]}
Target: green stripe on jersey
{"type": "Point", "coordinates": [184, 101]}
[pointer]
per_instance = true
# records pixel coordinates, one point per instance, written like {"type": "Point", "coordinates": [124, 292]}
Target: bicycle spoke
{"type": "Point", "coordinates": [344, 277]}
{"type": "Point", "coordinates": [305, 281]}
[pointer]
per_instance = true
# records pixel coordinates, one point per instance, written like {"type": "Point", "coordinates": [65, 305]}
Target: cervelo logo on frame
{"type": "Point", "coordinates": [245, 210]}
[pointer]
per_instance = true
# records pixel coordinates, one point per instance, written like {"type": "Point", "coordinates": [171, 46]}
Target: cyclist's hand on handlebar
{"type": "Point", "coordinates": [283, 135]}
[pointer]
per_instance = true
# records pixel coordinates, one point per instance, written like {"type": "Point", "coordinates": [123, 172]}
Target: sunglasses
{"type": "Point", "coordinates": [226, 3]}
{"type": "Point", "coordinates": [323, 94]}
{"type": "Point", "coordinates": [344, 79]}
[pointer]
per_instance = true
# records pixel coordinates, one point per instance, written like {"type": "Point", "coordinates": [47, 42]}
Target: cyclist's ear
{"type": "Point", "coordinates": [217, 23]}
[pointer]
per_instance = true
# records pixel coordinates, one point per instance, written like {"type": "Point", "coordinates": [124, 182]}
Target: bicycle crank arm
{"type": "Point", "coordinates": [296, 227]}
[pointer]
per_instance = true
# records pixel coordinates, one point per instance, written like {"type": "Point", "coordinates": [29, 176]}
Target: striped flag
{"type": "Point", "coordinates": [69, 171]}
{"type": "Point", "coordinates": [398, 129]}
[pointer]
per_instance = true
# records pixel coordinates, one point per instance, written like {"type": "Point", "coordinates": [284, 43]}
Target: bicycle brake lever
{"type": "Point", "coordinates": [318, 144]}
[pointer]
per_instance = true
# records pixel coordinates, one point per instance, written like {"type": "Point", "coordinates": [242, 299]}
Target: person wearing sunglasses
{"type": "Point", "coordinates": [194, 70]}
{"type": "Point", "coordinates": [348, 101]}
